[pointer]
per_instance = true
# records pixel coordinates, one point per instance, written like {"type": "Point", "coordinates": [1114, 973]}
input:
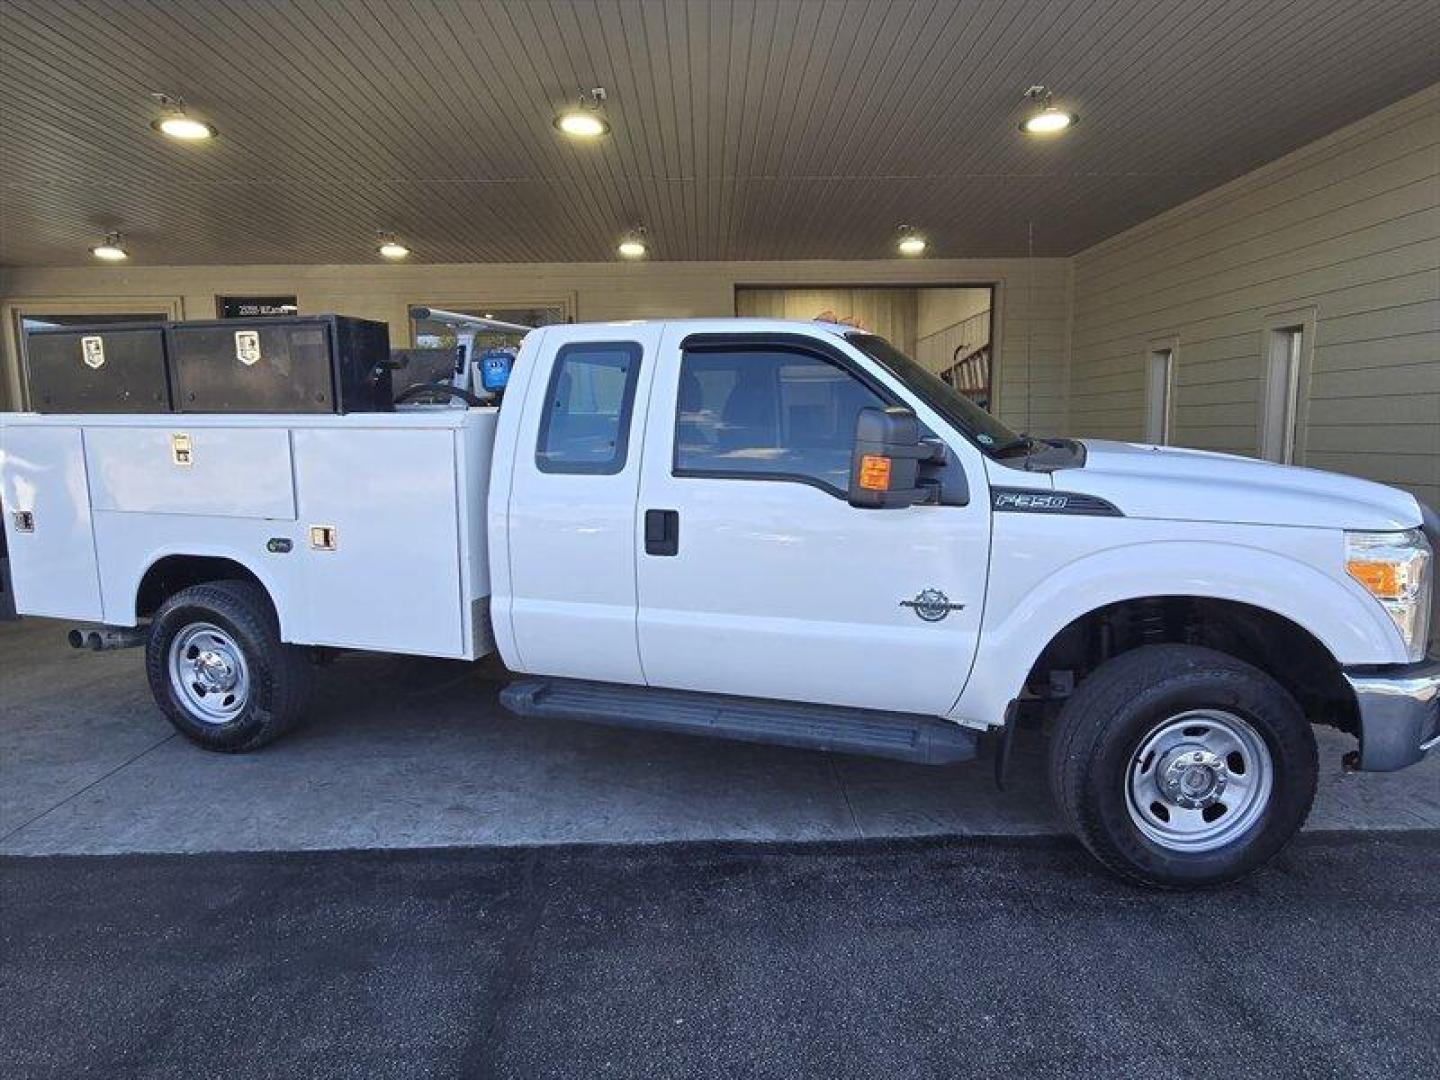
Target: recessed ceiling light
{"type": "Point", "coordinates": [185, 128]}
{"type": "Point", "coordinates": [391, 248]}
{"type": "Point", "coordinates": [1046, 119]}
{"type": "Point", "coordinates": [585, 120]}
{"type": "Point", "coordinates": [111, 250]}
{"type": "Point", "coordinates": [582, 125]}
{"type": "Point", "coordinates": [911, 242]}
{"type": "Point", "coordinates": [177, 124]}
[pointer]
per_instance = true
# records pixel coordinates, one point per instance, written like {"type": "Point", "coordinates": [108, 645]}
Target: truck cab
{"type": "Point", "coordinates": [676, 514]}
{"type": "Point", "coordinates": [775, 531]}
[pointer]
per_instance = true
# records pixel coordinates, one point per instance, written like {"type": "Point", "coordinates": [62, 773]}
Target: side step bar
{"type": "Point", "coordinates": [926, 740]}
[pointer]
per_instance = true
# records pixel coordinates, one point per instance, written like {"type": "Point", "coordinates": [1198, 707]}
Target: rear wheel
{"type": "Point", "coordinates": [220, 672]}
{"type": "Point", "coordinates": [1177, 765]}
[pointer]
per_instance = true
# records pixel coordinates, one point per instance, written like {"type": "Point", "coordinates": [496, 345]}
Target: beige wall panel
{"type": "Point", "coordinates": [1288, 186]}
{"type": "Point", "coordinates": [1347, 228]}
{"type": "Point", "coordinates": [944, 308]}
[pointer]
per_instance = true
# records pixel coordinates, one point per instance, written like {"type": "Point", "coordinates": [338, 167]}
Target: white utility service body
{"type": "Point", "coordinates": [678, 508]}
{"type": "Point", "coordinates": [403, 495]}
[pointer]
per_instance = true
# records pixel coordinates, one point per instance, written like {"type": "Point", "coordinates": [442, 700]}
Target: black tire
{"type": "Point", "coordinates": [1119, 708]}
{"type": "Point", "coordinates": [277, 677]}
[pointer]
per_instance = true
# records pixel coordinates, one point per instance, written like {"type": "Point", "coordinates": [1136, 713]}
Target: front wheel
{"type": "Point", "coordinates": [1179, 766]}
{"type": "Point", "coordinates": [218, 668]}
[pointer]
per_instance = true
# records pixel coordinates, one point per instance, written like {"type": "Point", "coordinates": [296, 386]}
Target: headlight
{"type": "Point", "coordinates": [1397, 569]}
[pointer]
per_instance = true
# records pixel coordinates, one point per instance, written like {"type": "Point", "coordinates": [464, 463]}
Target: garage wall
{"type": "Point", "coordinates": [1345, 232]}
{"type": "Point", "coordinates": [1031, 297]}
{"type": "Point", "coordinates": [887, 312]}
{"type": "Point", "coordinates": [950, 320]}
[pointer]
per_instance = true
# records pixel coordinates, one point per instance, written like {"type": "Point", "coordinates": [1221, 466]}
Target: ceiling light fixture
{"type": "Point", "coordinates": [390, 247]}
{"type": "Point", "coordinates": [586, 120]}
{"type": "Point", "coordinates": [111, 250]}
{"type": "Point", "coordinates": [177, 124]}
{"type": "Point", "coordinates": [1046, 118]}
{"type": "Point", "coordinates": [633, 245]}
{"type": "Point", "coordinates": [911, 243]}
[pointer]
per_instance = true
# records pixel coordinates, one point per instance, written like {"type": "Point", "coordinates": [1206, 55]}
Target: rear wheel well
{"type": "Point", "coordinates": [1285, 651]}
{"type": "Point", "coordinates": [169, 575]}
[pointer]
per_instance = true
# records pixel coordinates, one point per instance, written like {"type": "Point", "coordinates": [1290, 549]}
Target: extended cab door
{"type": "Point", "coordinates": [563, 529]}
{"type": "Point", "coordinates": [756, 577]}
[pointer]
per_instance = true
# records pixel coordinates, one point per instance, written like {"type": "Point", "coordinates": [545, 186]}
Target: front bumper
{"type": "Point", "coordinates": [1399, 709]}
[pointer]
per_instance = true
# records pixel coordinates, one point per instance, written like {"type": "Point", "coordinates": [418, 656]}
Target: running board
{"type": "Point", "coordinates": [926, 740]}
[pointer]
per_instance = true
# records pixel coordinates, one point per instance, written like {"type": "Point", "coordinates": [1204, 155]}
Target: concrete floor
{"type": "Point", "coordinates": [412, 753]}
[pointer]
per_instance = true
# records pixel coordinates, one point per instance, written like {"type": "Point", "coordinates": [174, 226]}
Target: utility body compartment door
{"type": "Point", "coordinates": [762, 580]}
{"type": "Point", "coordinates": [46, 498]}
{"type": "Point", "coordinates": [379, 538]}
{"type": "Point", "coordinates": [190, 469]}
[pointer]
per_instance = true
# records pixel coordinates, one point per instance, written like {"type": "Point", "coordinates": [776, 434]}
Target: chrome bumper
{"type": "Point", "coordinates": [1399, 709]}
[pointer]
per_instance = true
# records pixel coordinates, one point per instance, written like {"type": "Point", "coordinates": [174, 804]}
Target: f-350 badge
{"type": "Point", "coordinates": [932, 605]}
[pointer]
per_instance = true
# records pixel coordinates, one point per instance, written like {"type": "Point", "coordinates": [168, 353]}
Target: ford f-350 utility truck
{"type": "Point", "coordinates": [772, 531]}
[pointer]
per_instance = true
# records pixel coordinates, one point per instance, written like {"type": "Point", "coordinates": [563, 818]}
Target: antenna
{"type": "Point", "coordinates": [1029, 318]}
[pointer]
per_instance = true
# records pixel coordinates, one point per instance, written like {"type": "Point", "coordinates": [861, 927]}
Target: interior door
{"type": "Point", "coordinates": [571, 512]}
{"type": "Point", "coordinates": [756, 576]}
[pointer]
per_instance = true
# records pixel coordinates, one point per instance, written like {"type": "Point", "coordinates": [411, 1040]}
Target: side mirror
{"type": "Point", "coordinates": [885, 462]}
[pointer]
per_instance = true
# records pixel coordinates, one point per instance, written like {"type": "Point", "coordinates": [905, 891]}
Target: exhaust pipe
{"type": "Point", "coordinates": [108, 637]}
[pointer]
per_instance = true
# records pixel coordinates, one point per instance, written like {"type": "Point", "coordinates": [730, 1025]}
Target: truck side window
{"type": "Point", "coordinates": [586, 424]}
{"type": "Point", "coordinates": [768, 413]}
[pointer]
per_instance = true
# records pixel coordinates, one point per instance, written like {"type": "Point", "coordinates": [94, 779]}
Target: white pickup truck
{"type": "Point", "coordinates": [771, 531]}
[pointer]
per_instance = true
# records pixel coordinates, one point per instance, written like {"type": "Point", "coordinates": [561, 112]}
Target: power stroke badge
{"type": "Point", "coordinates": [932, 605]}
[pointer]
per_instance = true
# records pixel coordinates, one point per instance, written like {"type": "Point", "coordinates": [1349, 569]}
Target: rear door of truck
{"type": "Point", "coordinates": [563, 528]}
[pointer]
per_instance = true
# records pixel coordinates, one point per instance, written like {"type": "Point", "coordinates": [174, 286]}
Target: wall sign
{"type": "Point", "coordinates": [255, 307]}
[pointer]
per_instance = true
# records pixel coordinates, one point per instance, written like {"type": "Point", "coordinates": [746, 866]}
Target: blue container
{"type": "Point", "coordinates": [495, 365]}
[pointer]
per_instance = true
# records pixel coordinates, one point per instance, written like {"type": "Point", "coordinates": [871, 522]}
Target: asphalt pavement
{"type": "Point", "coordinates": [893, 958]}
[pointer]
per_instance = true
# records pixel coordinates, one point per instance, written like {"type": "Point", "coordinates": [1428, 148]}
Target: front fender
{"type": "Point", "coordinates": [1021, 621]}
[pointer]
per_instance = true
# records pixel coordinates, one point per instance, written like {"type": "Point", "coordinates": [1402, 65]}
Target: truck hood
{"type": "Point", "coordinates": [1197, 485]}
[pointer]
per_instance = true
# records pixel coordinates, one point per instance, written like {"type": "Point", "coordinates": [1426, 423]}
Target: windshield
{"type": "Point", "coordinates": [938, 394]}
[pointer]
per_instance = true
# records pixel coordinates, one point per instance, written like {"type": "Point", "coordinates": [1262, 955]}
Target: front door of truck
{"type": "Point", "coordinates": [570, 513]}
{"type": "Point", "coordinates": [756, 577]}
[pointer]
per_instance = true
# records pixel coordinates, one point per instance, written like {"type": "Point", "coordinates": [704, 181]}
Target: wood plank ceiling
{"type": "Point", "coordinates": [743, 129]}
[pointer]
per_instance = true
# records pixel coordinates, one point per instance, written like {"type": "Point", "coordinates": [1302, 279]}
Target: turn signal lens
{"type": "Point", "coordinates": [1381, 579]}
{"type": "Point", "coordinates": [875, 473]}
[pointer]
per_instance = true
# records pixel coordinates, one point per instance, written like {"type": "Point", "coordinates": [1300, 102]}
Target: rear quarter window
{"type": "Point", "coordinates": [588, 404]}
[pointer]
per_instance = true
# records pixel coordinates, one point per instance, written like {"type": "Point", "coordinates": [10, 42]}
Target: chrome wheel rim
{"type": "Point", "coordinates": [208, 673]}
{"type": "Point", "coordinates": [1199, 780]}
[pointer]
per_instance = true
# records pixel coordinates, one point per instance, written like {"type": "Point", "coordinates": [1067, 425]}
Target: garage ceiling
{"type": "Point", "coordinates": [742, 130]}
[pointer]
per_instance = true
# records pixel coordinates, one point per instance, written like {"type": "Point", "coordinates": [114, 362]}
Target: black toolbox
{"type": "Point", "coordinates": [287, 364]}
{"type": "Point", "coordinates": [111, 368]}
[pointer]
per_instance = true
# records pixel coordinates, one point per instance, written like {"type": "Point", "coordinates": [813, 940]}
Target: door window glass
{"type": "Point", "coordinates": [586, 425]}
{"type": "Point", "coordinates": [768, 414]}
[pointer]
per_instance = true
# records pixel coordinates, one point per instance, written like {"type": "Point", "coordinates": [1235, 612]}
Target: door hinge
{"type": "Point", "coordinates": [323, 537]}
